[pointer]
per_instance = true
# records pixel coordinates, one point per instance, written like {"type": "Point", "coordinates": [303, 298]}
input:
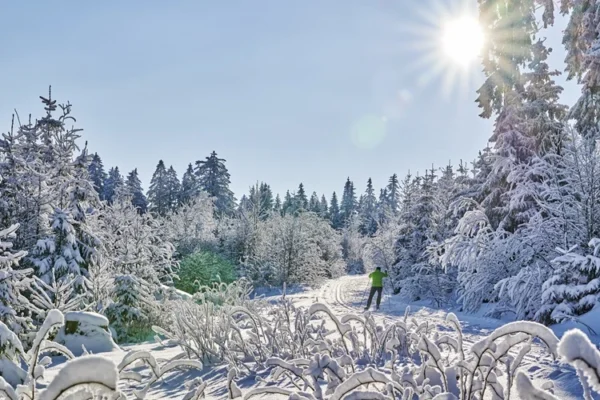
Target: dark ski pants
{"type": "Point", "coordinates": [374, 290]}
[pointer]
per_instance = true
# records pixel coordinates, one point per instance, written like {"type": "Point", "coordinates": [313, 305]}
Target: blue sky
{"type": "Point", "coordinates": [288, 92]}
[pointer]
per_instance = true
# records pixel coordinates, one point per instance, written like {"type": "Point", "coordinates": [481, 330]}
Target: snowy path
{"type": "Point", "coordinates": [347, 295]}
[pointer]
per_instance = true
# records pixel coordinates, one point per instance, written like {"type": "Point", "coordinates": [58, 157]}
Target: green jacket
{"type": "Point", "coordinates": [377, 278]}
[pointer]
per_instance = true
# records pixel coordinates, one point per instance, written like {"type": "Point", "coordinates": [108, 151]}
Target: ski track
{"type": "Point", "coordinates": [348, 294]}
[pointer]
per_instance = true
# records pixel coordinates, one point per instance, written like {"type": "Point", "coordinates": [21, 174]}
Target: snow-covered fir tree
{"type": "Point", "coordinates": [288, 206]}
{"type": "Point", "coordinates": [159, 196]}
{"type": "Point", "coordinates": [133, 189]}
{"type": "Point", "coordinates": [300, 199]}
{"type": "Point", "coordinates": [334, 212]}
{"type": "Point", "coordinates": [14, 283]}
{"type": "Point", "coordinates": [173, 189]}
{"type": "Point", "coordinates": [392, 191]}
{"type": "Point", "coordinates": [113, 185]}
{"type": "Point", "coordinates": [277, 206]}
{"type": "Point", "coordinates": [368, 211]}
{"type": "Point", "coordinates": [214, 179]}
{"type": "Point", "coordinates": [314, 204]}
{"type": "Point", "coordinates": [69, 245]}
{"type": "Point", "coordinates": [189, 185]}
{"type": "Point", "coordinates": [349, 204]}
{"type": "Point", "coordinates": [97, 174]}
{"type": "Point", "coordinates": [323, 207]}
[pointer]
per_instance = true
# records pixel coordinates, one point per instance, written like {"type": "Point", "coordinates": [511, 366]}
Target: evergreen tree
{"type": "Point", "coordinates": [213, 178]}
{"type": "Point", "coordinates": [113, 186]}
{"type": "Point", "coordinates": [314, 205]}
{"type": "Point", "coordinates": [69, 245]}
{"type": "Point", "coordinates": [173, 189]}
{"type": "Point", "coordinates": [189, 186]}
{"type": "Point", "coordinates": [133, 189]}
{"type": "Point", "coordinates": [582, 41]}
{"type": "Point", "coordinates": [277, 207]}
{"type": "Point", "coordinates": [368, 211]}
{"type": "Point", "coordinates": [349, 204]}
{"type": "Point", "coordinates": [288, 206]}
{"type": "Point", "coordinates": [334, 212]}
{"type": "Point", "coordinates": [159, 200]}
{"type": "Point", "coordinates": [393, 194]}
{"type": "Point", "coordinates": [266, 196]}
{"type": "Point", "coordinates": [13, 283]}
{"type": "Point", "coordinates": [97, 174]}
{"type": "Point", "coordinates": [300, 200]}
{"type": "Point", "coordinates": [323, 208]}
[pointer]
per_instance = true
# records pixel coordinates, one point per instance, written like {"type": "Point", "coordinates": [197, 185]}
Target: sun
{"type": "Point", "coordinates": [462, 40]}
{"type": "Point", "coordinates": [445, 43]}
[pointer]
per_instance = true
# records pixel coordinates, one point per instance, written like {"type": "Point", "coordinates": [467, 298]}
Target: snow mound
{"type": "Point", "coordinates": [86, 332]}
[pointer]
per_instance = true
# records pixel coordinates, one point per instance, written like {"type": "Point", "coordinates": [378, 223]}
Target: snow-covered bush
{"type": "Point", "coordinates": [301, 356]}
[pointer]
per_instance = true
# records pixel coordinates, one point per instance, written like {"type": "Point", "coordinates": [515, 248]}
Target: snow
{"type": "Point", "coordinates": [91, 334]}
{"type": "Point", "coordinates": [95, 369]}
{"type": "Point", "coordinates": [87, 317]}
{"type": "Point", "coordinates": [338, 302]}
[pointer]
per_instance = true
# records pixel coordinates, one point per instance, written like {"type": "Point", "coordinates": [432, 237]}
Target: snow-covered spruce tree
{"type": "Point", "coordinates": [132, 307]}
{"type": "Point", "coordinates": [133, 189]}
{"type": "Point", "coordinates": [14, 282]}
{"type": "Point", "coordinates": [349, 205]}
{"type": "Point", "coordinates": [582, 43]}
{"type": "Point", "coordinates": [173, 189]}
{"type": "Point", "coordinates": [406, 252]}
{"type": "Point", "coordinates": [574, 287]}
{"type": "Point", "coordinates": [97, 174]}
{"type": "Point", "coordinates": [158, 192]}
{"type": "Point", "coordinates": [192, 226]}
{"type": "Point", "coordinates": [323, 207]}
{"type": "Point", "coordinates": [491, 243]}
{"type": "Point", "coordinates": [313, 203]}
{"type": "Point", "coordinates": [423, 278]}
{"type": "Point", "coordinates": [300, 199]}
{"type": "Point", "coordinates": [261, 195]}
{"type": "Point", "coordinates": [113, 185]}
{"type": "Point", "coordinates": [24, 195]}
{"type": "Point", "coordinates": [214, 179]}
{"type": "Point", "coordinates": [70, 244]}
{"type": "Point", "coordinates": [334, 212]}
{"type": "Point", "coordinates": [288, 206]}
{"type": "Point", "coordinates": [277, 205]}
{"type": "Point", "coordinates": [368, 211]}
{"type": "Point", "coordinates": [392, 197]}
{"type": "Point", "coordinates": [189, 186]}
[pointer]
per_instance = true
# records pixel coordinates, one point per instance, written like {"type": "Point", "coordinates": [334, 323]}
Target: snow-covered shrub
{"type": "Point", "coordinates": [85, 332]}
{"type": "Point", "coordinates": [203, 325]}
{"type": "Point", "coordinates": [203, 269]}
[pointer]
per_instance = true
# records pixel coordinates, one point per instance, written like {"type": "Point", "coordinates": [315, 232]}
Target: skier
{"type": "Point", "coordinates": [376, 286]}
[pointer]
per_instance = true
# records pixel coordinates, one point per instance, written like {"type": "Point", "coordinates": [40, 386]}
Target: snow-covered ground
{"type": "Point", "coordinates": [347, 295]}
